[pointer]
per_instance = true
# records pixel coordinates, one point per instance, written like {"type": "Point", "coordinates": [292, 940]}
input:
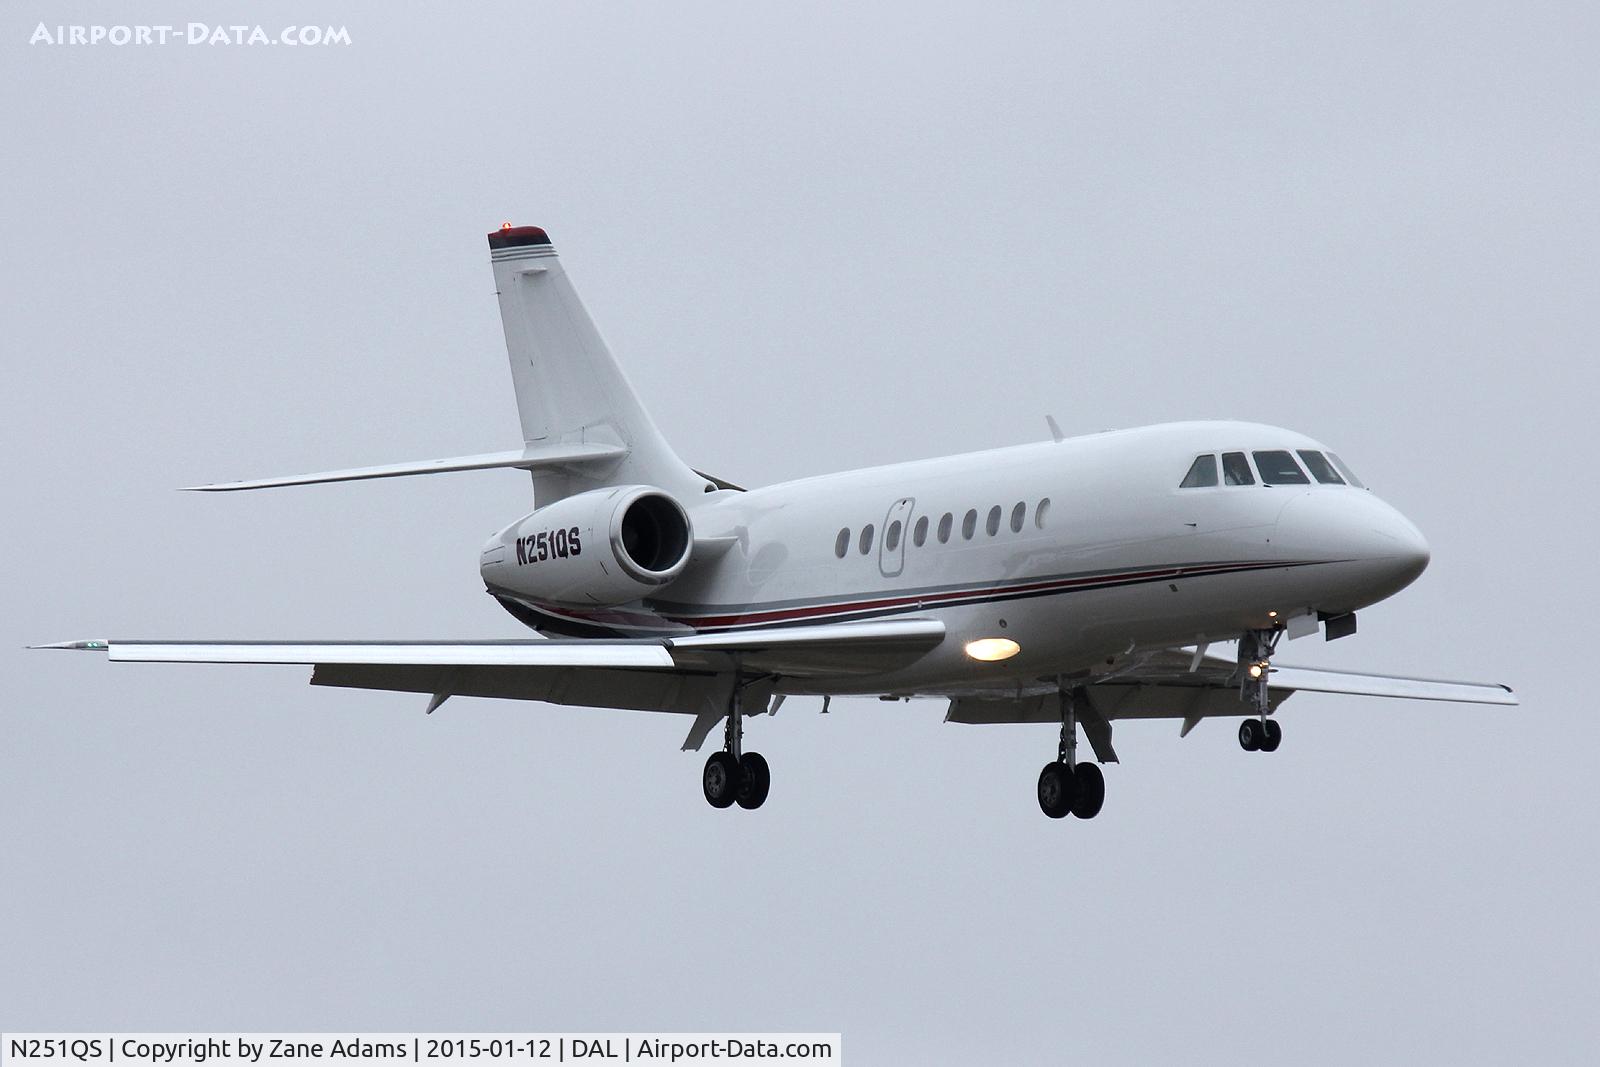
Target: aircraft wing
{"type": "Point", "coordinates": [1176, 684]}
{"type": "Point", "coordinates": [386, 653]}
{"type": "Point", "coordinates": [689, 674]}
{"type": "Point", "coordinates": [1317, 680]}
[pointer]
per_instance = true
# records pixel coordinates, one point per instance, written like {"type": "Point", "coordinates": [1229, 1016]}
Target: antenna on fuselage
{"type": "Point", "coordinates": [1055, 429]}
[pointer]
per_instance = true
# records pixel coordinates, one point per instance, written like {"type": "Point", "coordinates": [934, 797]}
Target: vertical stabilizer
{"type": "Point", "coordinates": [569, 388]}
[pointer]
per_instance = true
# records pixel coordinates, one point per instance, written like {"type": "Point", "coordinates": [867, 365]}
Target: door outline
{"type": "Point", "coordinates": [891, 563]}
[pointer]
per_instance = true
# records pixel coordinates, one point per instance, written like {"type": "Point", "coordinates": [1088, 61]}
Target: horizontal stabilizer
{"type": "Point", "coordinates": [528, 459]}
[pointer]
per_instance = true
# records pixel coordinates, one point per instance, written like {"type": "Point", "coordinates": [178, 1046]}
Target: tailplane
{"type": "Point", "coordinates": [570, 391]}
{"type": "Point", "coordinates": [582, 426]}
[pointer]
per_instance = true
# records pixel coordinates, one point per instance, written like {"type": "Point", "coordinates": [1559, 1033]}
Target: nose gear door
{"type": "Point", "coordinates": [896, 529]}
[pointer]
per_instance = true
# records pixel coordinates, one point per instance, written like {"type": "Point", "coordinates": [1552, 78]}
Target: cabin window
{"type": "Point", "coordinates": [1018, 513]}
{"type": "Point", "coordinates": [946, 521]}
{"type": "Point", "coordinates": [866, 539]}
{"type": "Point", "coordinates": [1279, 468]}
{"type": "Point", "coordinates": [841, 544]}
{"type": "Point", "coordinates": [969, 524]}
{"type": "Point", "coordinates": [1236, 469]}
{"type": "Point", "coordinates": [993, 524]}
{"type": "Point", "coordinates": [1319, 467]}
{"type": "Point", "coordinates": [919, 532]}
{"type": "Point", "coordinates": [1040, 512]}
{"type": "Point", "coordinates": [1344, 468]}
{"type": "Point", "coordinates": [891, 536]}
{"type": "Point", "coordinates": [1202, 473]}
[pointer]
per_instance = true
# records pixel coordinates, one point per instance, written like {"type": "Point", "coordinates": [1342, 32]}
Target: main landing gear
{"type": "Point", "coordinates": [1067, 787]}
{"type": "Point", "coordinates": [1258, 734]}
{"type": "Point", "coordinates": [733, 776]}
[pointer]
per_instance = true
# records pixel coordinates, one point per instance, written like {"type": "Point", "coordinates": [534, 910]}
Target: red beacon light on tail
{"type": "Point", "coordinates": [509, 236]}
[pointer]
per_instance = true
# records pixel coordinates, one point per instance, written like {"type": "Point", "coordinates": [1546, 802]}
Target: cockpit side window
{"type": "Point", "coordinates": [1202, 472]}
{"type": "Point", "coordinates": [1319, 467]}
{"type": "Point", "coordinates": [1236, 469]}
{"type": "Point", "coordinates": [1344, 469]}
{"type": "Point", "coordinates": [1279, 468]}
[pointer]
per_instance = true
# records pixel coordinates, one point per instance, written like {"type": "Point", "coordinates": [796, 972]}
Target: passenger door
{"type": "Point", "coordinates": [896, 531]}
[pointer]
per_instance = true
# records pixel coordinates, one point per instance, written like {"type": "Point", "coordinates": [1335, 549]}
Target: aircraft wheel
{"type": "Point", "coordinates": [754, 781]}
{"type": "Point", "coordinates": [1272, 737]}
{"type": "Point", "coordinates": [1055, 790]}
{"type": "Point", "coordinates": [1250, 735]}
{"type": "Point", "coordinates": [720, 780]}
{"type": "Point", "coordinates": [1088, 792]}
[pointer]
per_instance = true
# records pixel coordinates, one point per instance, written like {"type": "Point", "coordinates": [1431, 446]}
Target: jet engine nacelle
{"type": "Point", "coordinates": [606, 546]}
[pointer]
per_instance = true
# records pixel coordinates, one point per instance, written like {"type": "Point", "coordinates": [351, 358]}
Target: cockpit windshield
{"type": "Point", "coordinates": [1344, 469]}
{"type": "Point", "coordinates": [1279, 468]}
{"type": "Point", "coordinates": [1202, 472]}
{"type": "Point", "coordinates": [1275, 466]}
{"type": "Point", "coordinates": [1319, 467]}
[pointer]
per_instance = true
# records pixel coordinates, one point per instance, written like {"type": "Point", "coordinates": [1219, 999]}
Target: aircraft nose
{"type": "Point", "coordinates": [1379, 549]}
{"type": "Point", "coordinates": [1411, 548]}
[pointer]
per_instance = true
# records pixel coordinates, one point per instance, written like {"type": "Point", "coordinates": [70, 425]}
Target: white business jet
{"type": "Point", "coordinates": [1075, 581]}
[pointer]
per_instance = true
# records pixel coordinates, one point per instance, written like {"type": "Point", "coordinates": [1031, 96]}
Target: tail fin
{"type": "Point", "coordinates": [569, 388]}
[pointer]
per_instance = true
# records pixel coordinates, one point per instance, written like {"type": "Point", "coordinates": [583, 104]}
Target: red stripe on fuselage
{"type": "Point", "coordinates": [800, 613]}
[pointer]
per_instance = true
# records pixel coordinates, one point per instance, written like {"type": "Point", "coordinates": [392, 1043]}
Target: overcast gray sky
{"type": "Point", "coordinates": [817, 239]}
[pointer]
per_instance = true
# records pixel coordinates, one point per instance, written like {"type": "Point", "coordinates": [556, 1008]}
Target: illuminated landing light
{"type": "Point", "coordinates": [992, 649]}
{"type": "Point", "coordinates": [1257, 670]}
{"type": "Point", "coordinates": [1272, 614]}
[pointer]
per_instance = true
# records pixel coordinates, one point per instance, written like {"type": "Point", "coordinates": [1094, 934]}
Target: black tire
{"type": "Point", "coordinates": [1088, 791]}
{"type": "Point", "coordinates": [1273, 736]}
{"type": "Point", "coordinates": [720, 780]}
{"type": "Point", "coordinates": [1056, 790]}
{"type": "Point", "coordinates": [1250, 735]}
{"type": "Point", "coordinates": [755, 781]}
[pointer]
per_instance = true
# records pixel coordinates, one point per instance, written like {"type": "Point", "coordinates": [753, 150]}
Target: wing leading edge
{"type": "Point", "coordinates": [854, 647]}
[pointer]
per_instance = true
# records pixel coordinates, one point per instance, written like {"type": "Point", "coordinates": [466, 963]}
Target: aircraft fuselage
{"type": "Point", "coordinates": [1080, 551]}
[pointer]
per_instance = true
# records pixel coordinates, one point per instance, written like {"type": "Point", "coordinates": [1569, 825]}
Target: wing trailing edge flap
{"type": "Point", "coordinates": [1119, 700]}
{"type": "Point", "coordinates": [631, 689]}
{"type": "Point", "coordinates": [1094, 715]}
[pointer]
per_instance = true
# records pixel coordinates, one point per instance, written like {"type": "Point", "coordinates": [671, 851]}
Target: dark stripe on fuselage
{"type": "Point", "coordinates": [567, 619]}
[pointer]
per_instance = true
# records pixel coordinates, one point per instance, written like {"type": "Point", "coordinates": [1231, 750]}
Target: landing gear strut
{"type": "Point", "coordinates": [734, 776]}
{"type": "Point", "coordinates": [1067, 786]}
{"type": "Point", "coordinates": [1258, 734]}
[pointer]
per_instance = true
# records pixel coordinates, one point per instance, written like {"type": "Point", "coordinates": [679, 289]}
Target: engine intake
{"type": "Point", "coordinates": [606, 546]}
{"type": "Point", "coordinates": [652, 538]}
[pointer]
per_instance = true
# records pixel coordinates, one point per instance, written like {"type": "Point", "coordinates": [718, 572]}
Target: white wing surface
{"type": "Point", "coordinates": [688, 674]}
{"type": "Point", "coordinates": [389, 653]}
{"type": "Point", "coordinates": [1316, 680]}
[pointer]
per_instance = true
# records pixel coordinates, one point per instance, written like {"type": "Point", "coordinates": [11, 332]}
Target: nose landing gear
{"type": "Point", "coordinates": [1259, 734]}
{"type": "Point", "coordinates": [734, 776]}
{"type": "Point", "coordinates": [1067, 787]}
